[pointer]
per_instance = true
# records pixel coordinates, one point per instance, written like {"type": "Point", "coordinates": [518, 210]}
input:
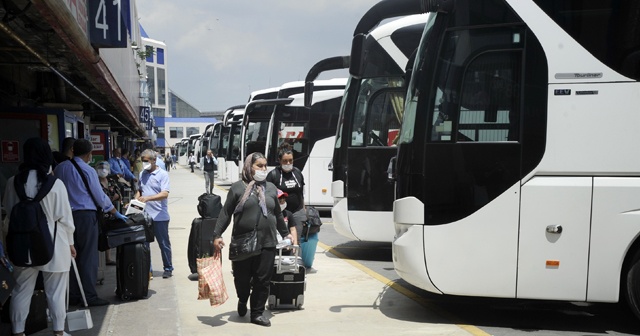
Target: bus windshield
{"type": "Point", "coordinates": [376, 121]}
{"type": "Point", "coordinates": [256, 137]}
{"type": "Point", "coordinates": [410, 110]}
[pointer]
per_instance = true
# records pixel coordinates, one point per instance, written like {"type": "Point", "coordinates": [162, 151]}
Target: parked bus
{"type": "Point", "coordinates": [514, 178]}
{"type": "Point", "coordinates": [370, 118]}
{"type": "Point", "coordinates": [226, 138]}
{"type": "Point", "coordinates": [193, 139]}
{"type": "Point", "coordinates": [182, 151]}
{"type": "Point", "coordinates": [309, 131]}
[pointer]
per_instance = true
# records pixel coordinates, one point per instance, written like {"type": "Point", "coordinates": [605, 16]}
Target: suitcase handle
{"type": "Point", "coordinates": [296, 258]}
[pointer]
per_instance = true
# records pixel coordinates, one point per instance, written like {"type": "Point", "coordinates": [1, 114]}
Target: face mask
{"type": "Point", "coordinates": [287, 168]}
{"type": "Point", "coordinates": [260, 175]}
{"type": "Point", "coordinates": [103, 172]}
{"type": "Point", "coordinates": [283, 206]}
{"type": "Point", "coordinates": [146, 165]}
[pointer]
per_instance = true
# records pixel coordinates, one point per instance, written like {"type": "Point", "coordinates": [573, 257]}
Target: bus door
{"type": "Point", "coordinates": [472, 163]}
{"type": "Point", "coordinates": [374, 131]}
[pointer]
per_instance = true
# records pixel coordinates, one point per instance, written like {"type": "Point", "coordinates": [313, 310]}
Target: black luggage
{"type": "Point", "coordinates": [200, 241]}
{"type": "Point", "coordinates": [127, 235]}
{"type": "Point", "coordinates": [133, 263]}
{"type": "Point", "coordinates": [288, 284]}
{"type": "Point", "coordinates": [209, 205]}
{"type": "Point", "coordinates": [133, 220]}
{"type": "Point", "coordinates": [37, 318]}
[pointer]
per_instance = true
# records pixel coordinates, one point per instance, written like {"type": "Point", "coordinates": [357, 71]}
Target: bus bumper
{"type": "Point", "coordinates": [408, 244]}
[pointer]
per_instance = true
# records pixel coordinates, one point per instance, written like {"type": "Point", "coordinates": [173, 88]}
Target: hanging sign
{"type": "Point", "coordinates": [10, 151]}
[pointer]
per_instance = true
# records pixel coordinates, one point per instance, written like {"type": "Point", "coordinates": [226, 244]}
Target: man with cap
{"type": "Point", "coordinates": [84, 213]}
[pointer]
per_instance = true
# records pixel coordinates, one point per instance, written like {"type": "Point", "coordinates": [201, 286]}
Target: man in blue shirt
{"type": "Point", "coordinates": [153, 189]}
{"type": "Point", "coordinates": [160, 161]}
{"type": "Point", "coordinates": [85, 219]}
{"type": "Point", "coordinates": [120, 167]}
{"type": "Point", "coordinates": [125, 159]}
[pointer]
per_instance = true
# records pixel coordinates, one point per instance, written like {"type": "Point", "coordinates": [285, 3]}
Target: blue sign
{"type": "Point", "coordinates": [145, 114]}
{"type": "Point", "coordinates": [107, 23]}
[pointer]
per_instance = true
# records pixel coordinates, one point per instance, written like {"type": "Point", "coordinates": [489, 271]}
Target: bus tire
{"type": "Point", "coordinates": [632, 285]}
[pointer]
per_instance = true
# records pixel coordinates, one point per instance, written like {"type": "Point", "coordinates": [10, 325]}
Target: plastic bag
{"type": "Point", "coordinates": [211, 281]}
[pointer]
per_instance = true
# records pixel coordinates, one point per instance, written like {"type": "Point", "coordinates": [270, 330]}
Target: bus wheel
{"type": "Point", "coordinates": [632, 285]}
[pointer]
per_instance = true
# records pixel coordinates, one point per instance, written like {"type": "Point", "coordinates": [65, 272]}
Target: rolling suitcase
{"type": "Point", "coordinates": [288, 284]}
{"type": "Point", "coordinates": [133, 262]}
{"type": "Point", "coordinates": [200, 241]}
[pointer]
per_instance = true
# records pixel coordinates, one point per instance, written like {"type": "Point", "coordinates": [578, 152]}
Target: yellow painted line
{"type": "Point", "coordinates": [406, 292]}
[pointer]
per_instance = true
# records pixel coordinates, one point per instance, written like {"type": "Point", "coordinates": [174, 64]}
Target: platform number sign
{"type": "Point", "coordinates": [145, 114]}
{"type": "Point", "coordinates": [107, 28]}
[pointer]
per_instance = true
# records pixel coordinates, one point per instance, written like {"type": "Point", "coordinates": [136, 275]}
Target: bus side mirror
{"type": "Point", "coordinates": [391, 170]}
{"type": "Point", "coordinates": [308, 94]}
{"type": "Point", "coordinates": [356, 66]}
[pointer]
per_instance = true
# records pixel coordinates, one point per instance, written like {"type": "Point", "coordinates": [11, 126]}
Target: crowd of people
{"type": "Point", "coordinates": [79, 196]}
{"type": "Point", "coordinates": [270, 202]}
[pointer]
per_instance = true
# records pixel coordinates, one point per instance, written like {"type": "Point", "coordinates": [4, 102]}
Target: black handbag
{"type": "Point", "coordinates": [246, 245]}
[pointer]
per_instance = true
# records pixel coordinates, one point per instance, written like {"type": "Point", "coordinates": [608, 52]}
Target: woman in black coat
{"type": "Point", "coordinates": [253, 202]}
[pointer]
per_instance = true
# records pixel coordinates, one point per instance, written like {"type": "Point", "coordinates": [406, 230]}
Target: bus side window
{"type": "Point", "coordinates": [488, 109]}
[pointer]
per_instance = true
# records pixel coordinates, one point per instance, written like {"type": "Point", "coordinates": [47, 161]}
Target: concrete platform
{"type": "Point", "coordinates": [340, 298]}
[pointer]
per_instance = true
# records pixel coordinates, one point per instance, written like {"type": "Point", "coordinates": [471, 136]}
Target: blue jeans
{"type": "Point", "coordinates": [161, 231]}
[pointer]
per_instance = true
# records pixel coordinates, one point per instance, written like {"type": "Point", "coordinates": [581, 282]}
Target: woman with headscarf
{"type": "Point", "coordinates": [253, 202]}
{"type": "Point", "coordinates": [36, 169]}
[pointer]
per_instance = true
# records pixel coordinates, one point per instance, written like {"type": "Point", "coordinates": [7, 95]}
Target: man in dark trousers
{"type": "Point", "coordinates": [85, 219]}
{"type": "Point", "coordinates": [209, 165]}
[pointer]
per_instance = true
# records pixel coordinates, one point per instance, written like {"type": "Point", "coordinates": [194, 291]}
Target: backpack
{"type": "Point", "coordinates": [29, 242]}
{"type": "Point", "coordinates": [313, 222]}
{"type": "Point", "coordinates": [209, 205]}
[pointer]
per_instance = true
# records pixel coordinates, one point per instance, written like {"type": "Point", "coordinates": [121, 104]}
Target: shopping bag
{"type": "Point", "coordinates": [211, 281]}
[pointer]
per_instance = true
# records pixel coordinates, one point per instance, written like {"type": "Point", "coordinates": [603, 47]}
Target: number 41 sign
{"type": "Point", "coordinates": [107, 27]}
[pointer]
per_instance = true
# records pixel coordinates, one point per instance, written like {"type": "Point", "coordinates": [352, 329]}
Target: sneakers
{"type": "Point", "coordinates": [166, 274]}
{"type": "Point", "coordinates": [193, 276]}
{"type": "Point", "coordinates": [311, 270]}
{"type": "Point", "coordinates": [242, 308]}
{"type": "Point", "coordinates": [261, 320]}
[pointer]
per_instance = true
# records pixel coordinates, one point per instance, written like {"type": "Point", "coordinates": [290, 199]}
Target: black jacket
{"type": "Point", "coordinates": [246, 220]}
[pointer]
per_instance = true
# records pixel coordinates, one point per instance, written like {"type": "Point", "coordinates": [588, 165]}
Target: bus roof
{"type": "Point", "coordinates": [390, 27]}
{"type": "Point", "coordinates": [319, 82]}
{"type": "Point", "coordinates": [320, 96]}
{"type": "Point", "coordinates": [254, 94]}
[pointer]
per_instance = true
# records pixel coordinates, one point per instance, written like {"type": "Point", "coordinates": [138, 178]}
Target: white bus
{"type": "Point", "coordinates": [370, 119]}
{"type": "Point", "coordinates": [310, 131]}
{"type": "Point", "coordinates": [516, 170]}
{"type": "Point", "coordinates": [228, 143]}
{"type": "Point", "coordinates": [181, 151]}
